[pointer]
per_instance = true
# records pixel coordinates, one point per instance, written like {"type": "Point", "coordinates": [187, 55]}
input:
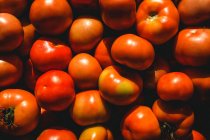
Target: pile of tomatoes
{"type": "Point", "coordinates": [104, 69]}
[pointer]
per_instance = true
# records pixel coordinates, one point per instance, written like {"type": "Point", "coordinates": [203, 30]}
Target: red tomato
{"type": "Point", "coordinates": [175, 86]}
{"type": "Point", "coordinates": [133, 51]}
{"type": "Point", "coordinates": [57, 134]}
{"type": "Point", "coordinates": [141, 124]}
{"type": "Point", "coordinates": [46, 54]}
{"type": "Point", "coordinates": [197, 135]}
{"type": "Point", "coordinates": [118, 14]}
{"type": "Point", "coordinates": [89, 108]}
{"type": "Point", "coordinates": [157, 20]}
{"type": "Point", "coordinates": [19, 112]}
{"type": "Point", "coordinates": [85, 71]}
{"type": "Point", "coordinates": [85, 33]}
{"type": "Point", "coordinates": [54, 90]}
{"type": "Point", "coordinates": [11, 68]}
{"type": "Point", "coordinates": [176, 119]}
{"type": "Point", "coordinates": [51, 17]}
{"type": "Point", "coordinates": [192, 47]}
{"type": "Point", "coordinates": [11, 33]}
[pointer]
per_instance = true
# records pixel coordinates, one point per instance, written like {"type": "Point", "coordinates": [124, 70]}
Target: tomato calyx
{"type": "Point", "coordinates": [7, 117]}
{"type": "Point", "coordinates": [152, 16]}
{"type": "Point", "coordinates": [167, 131]}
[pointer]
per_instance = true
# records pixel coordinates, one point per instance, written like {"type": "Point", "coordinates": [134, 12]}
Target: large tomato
{"type": "Point", "coordinates": [175, 86]}
{"type": "Point", "coordinates": [192, 47]}
{"type": "Point", "coordinates": [19, 112]}
{"type": "Point", "coordinates": [133, 51]}
{"type": "Point", "coordinates": [157, 20]}
{"type": "Point", "coordinates": [85, 71]}
{"type": "Point", "coordinates": [141, 124]}
{"type": "Point", "coordinates": [54, 90]}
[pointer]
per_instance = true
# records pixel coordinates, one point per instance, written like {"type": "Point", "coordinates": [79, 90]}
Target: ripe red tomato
{"type": "Point", "coordinates": [85, 71]}
{"type": "Point", "coordinates": [57, 134]}
{"type": "Point", "coordinates": [54, 90]}
{"type": "Point", "coordinates": [141, 124]}
{"type": "Point", "coordinates": [133, 51]}
{"type": "Point", "coordinates": [192, 47]}
{"type": "Point", "coordinates": [50, 54]}
{"type": "Point", "coordinates": [11, 33]}
{"type": "Point", "coordinates": [19, 112]}
{"type": "Point", "coordinates": [157, 20]}
{"type": "Point", "coordinates": [85, 33]}
{"type": "Point", "coordinates": [197, 135]}
{"type": "Point", "coordinates": [175, 86]}
{"type": "Point", "coordinates": [51, 17]}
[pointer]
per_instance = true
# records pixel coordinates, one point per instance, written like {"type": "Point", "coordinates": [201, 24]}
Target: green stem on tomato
{"type": "Point", "coordinates": [7, 116]}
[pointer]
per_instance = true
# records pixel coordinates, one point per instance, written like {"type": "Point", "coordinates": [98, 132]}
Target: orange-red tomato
{"type": "Point", "coordinates": [89, 108]}
{"type": "Point", "coordinates": [51, 17]}
{"type": "Point", "coordinates": [175, 118]}
{"type": "Point", "coordinates": [85, 33]}
{"type": "Point", "coordinates": [85, 71]}
{"type": "Point", "coordinates": [11, 68]}
{"type": "Point", "coordinates": [54, 90]}
{"type": "Point", "coordinates": [157, 20]}
{"type": "Point", "coordinates": [192, 47]}
{"type": "Point", "coordinates": [19, 112]}
{"type": "Point", "coordinates": [118, 14]}
{"type": "Point", "coordinates": [57, 134]}
{"type": "Point", "coordinates": [175, 86]}
{"type": "Point", "coordinates": [141, 124]}
{"type": "Point", "coordinates": [120, 86]}
{"type": "Point", "coordinates": [133, 51]}
{"type": "Point", "coordinates": [197, 135]}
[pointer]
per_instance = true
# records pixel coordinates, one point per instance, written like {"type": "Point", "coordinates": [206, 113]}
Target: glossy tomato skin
{"type": "Point", "coordinates": [26, 111]}
{"type": "Point", "coordinates": [51, 17]}
{"type": "Point", "coordinates": [175, 86]}
{"type": "Point", "coordinates": [85, 33]}
{"type": "Point", "coordinates": [96, 133]}
{"type": "Point", "coordinates": [11, 33]}
{"type": "Point", "coordinates": [11, 68]}
{"type": "Point", "coordinates": [157, 20]}
{"type": "Point", "coordinates": [89, 108]}
{"type": "Point", "coordinates": [103, 52]}
{"type": "Point", "coordinates": [133, 51]}
{"type": "Point", "coordinates": [141, 124]}
{"type": "Point", "coordinates": [179, 116]}
{"type": "Point", "coordinates": [47, 54]}
{"type": "Point", "coordinates": [118, 15]}
{"type": "Point", "coordinates": [54, 90]}
{"type": "Point", "coordinates": [194, 11]}
{"type": "Point", "coordinates": [192, 47]}
{"type": "Point", "coordinates": [85, 71]}
{"type": "Point", "coordinates": [57, 134]}
{"type": "Point", "coordinates": [120, 86]}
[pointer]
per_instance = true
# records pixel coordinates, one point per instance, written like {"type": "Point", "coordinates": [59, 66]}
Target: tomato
{"type": "Point", "coordinates": [46, 53]}
{"type": "Point", "coordinates": [120, 86]}
{"type": "Point", "coordinates": [54, 90]}
{"type": "Point", "coordinates": [89, 108]}
{"type": "Point", "coordinates": [51, 17]}
{"type": "Point", "coordinates": [96, 133]}
{"type": "Point", "coordinates": [11, 68]}
{"type": "Point", "coordinates": [133, 51]}
{"type": "Point", "coordinates": [14, 7]}
{"type": "Point", "coordinates": [175, 86]}
{"type": "Point", "coordinates": [197, 135]}
{"type": "Point", "coordinates": [194, 11]}
{"type": "Point", "coordinates": [140, 124]}
{"type": "Point", "coordinates": [19, 112]}
{"type": "Point", "coordinates": [157, 20]}
{"type": "Point", "coordinates": [175, 118]}
{"type": "Point", "coordinates": [118, 14]}
{"type": "Point", "coordinates": [85, 71]}
{"type": "Point", "coordinates": [192, 47]}
{"type": "Point", "coordinates": [57, 134]}
{"type": "Point", "coordinates": [85, 33]}
{"type": "Point", "coordinates": [103, 52]}
{"type": "Point", "coordinates": [11, 33]}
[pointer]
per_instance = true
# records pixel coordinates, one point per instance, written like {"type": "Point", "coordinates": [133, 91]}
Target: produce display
{"type": "Point", "coordinates": [104, 69]}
